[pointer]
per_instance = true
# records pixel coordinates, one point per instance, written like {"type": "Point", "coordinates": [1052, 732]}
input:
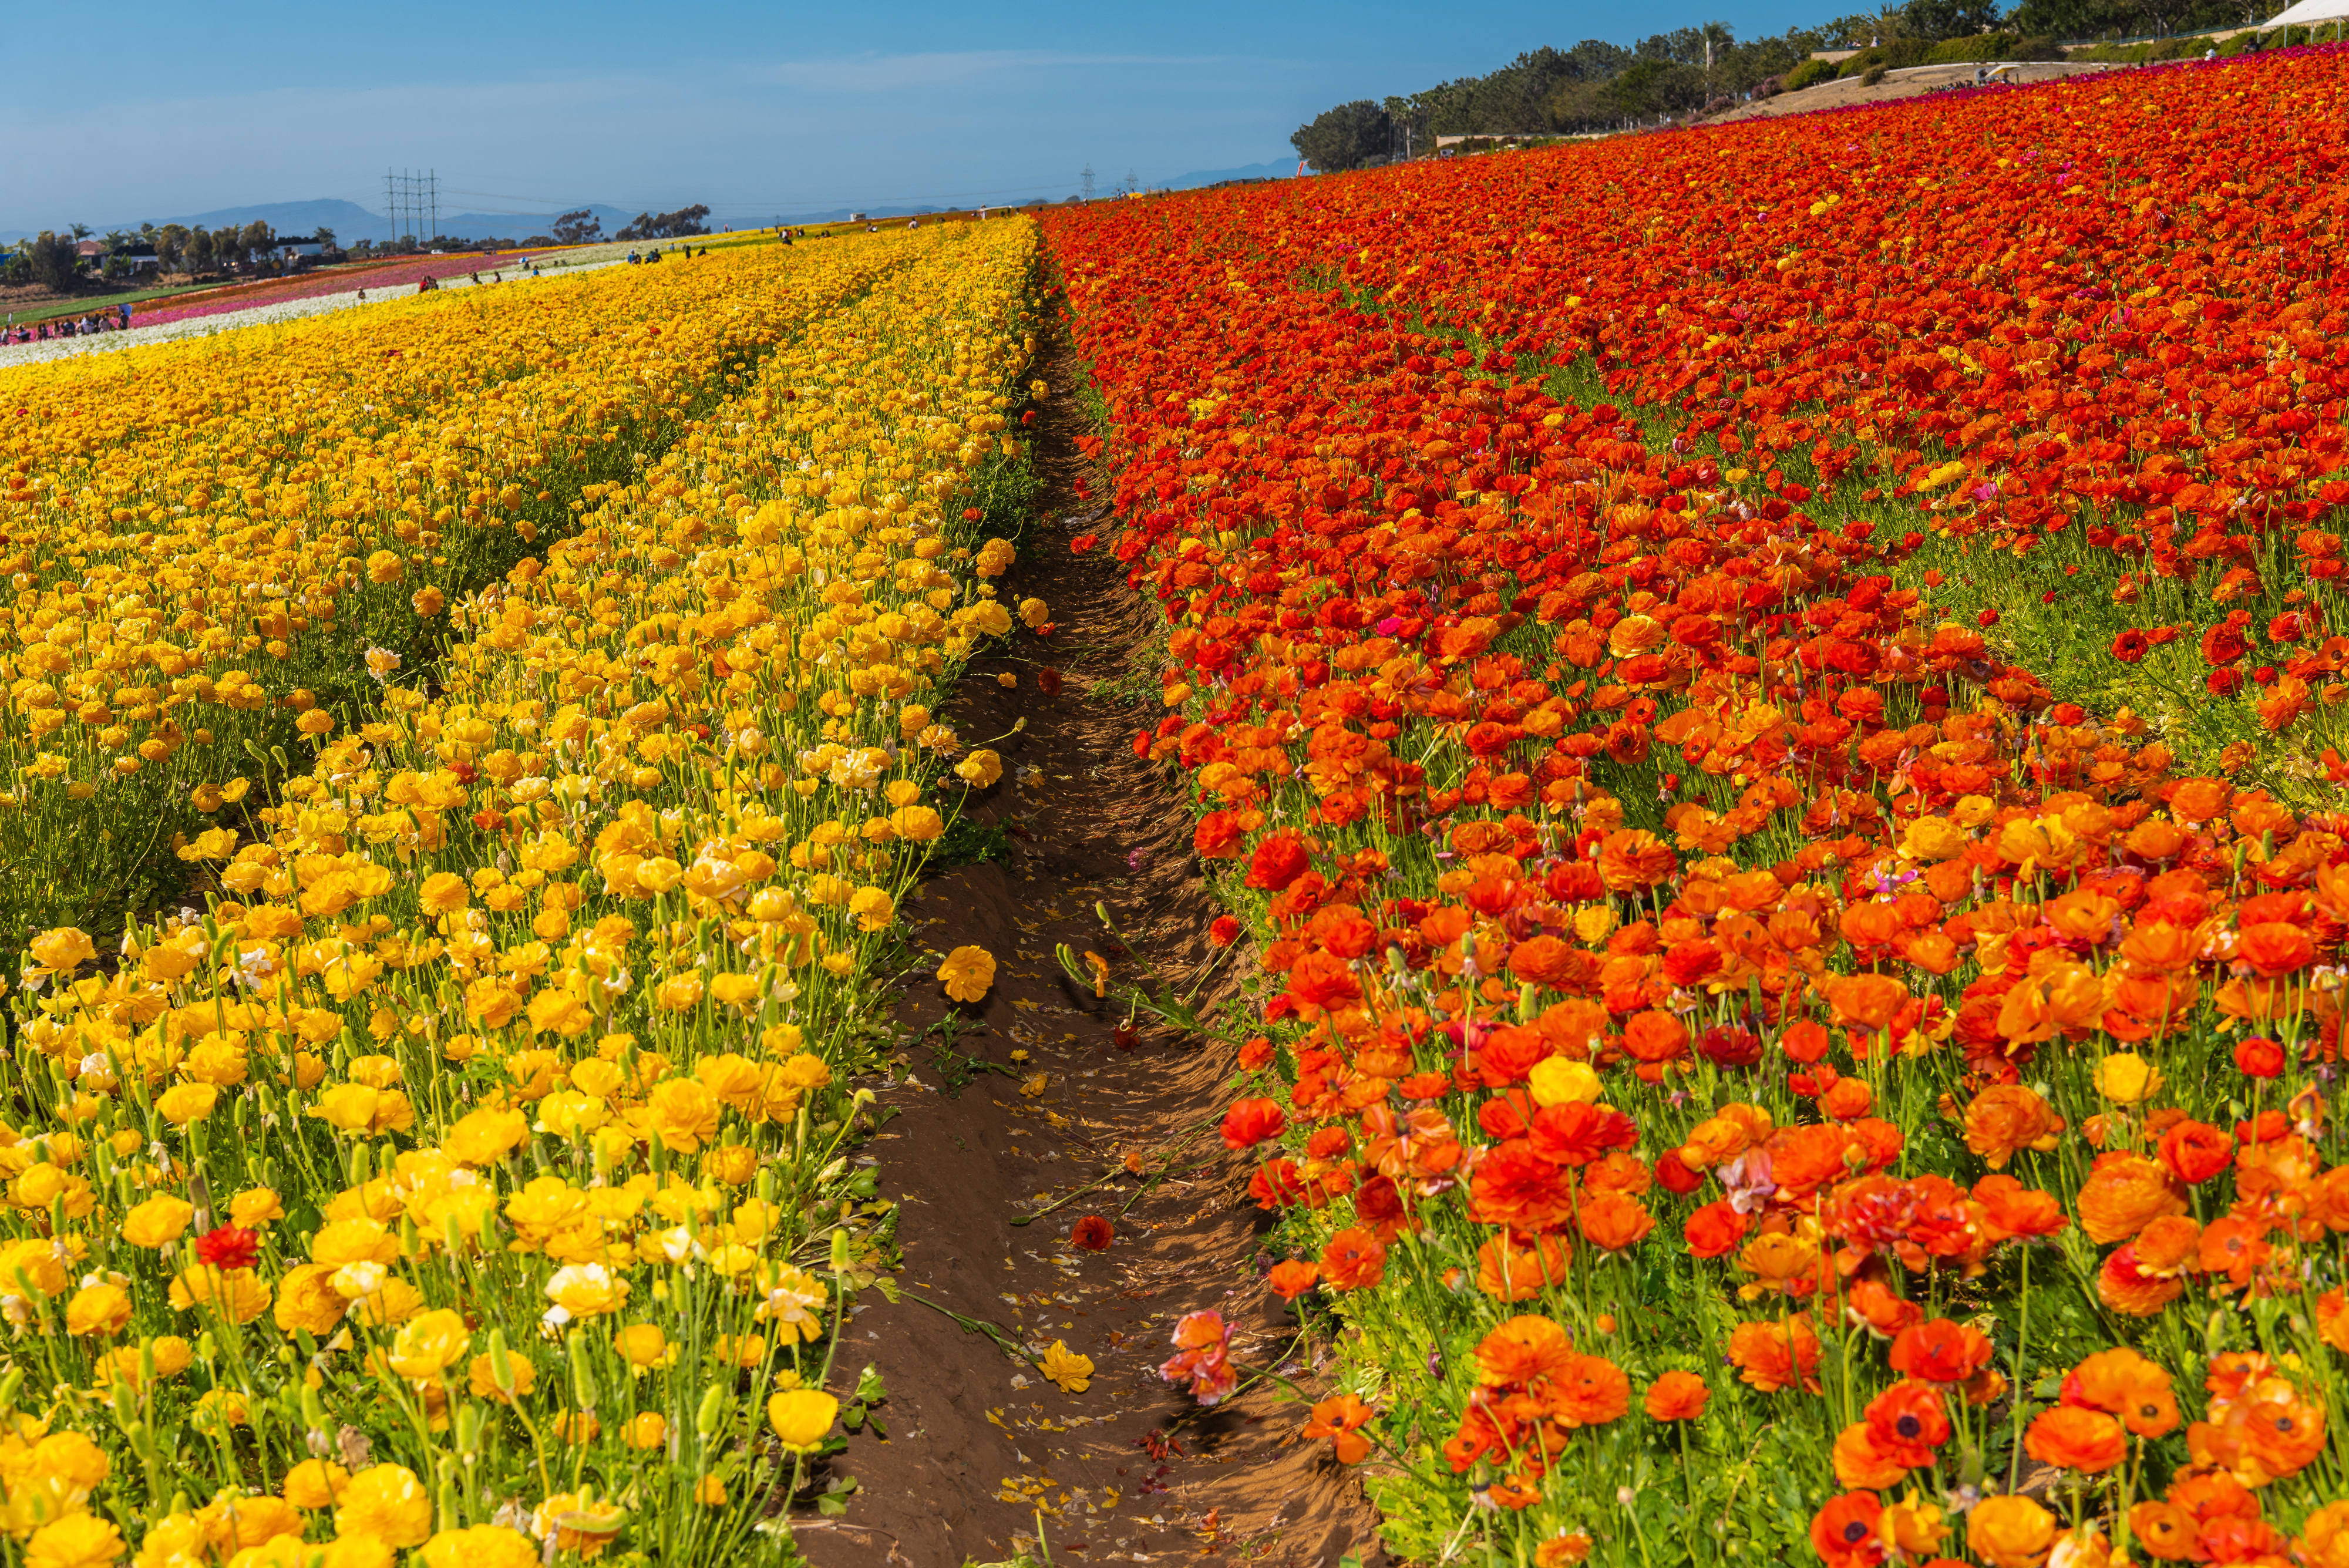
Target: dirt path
{"type": "Point", "coordinates": [1128, 1471]}
{"type": "Point", "coordinates": [1910, 81]}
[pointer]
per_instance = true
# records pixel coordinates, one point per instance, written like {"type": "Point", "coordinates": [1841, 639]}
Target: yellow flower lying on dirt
{"type": "Point", "coordinates": [1064, 1366]}
{"type": "Point", "coordinates": [966, 973]}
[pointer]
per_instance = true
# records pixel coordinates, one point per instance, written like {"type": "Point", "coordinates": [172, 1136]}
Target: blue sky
{"type": "Point", "coordinates": [168, 108]}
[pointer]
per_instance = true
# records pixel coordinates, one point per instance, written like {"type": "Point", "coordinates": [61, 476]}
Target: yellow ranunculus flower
{"type": "Point", "coordinates": [429, 1345]}
{"type": "Point", "coordinates": [77, 1541]}
{"type": "Point", "coordinates": [980, 769]}
{"type": "Point", "coordinates": [801, 1417]}
{"type": "Point", "coordinates": [1558, 1081]}
{"type": "Point", "coordinates": [184, 1103]}
{"type": "Point", "coordinates": [388, 1502]}
{"type": "Point", "coordinates": [873, 908]}
{"type": "Point", "coordinates": [100, 1309]}
{"type": "Point", "coordinates": [1064, 1366]}
{"type": "Point", "coordinates": [237, 1294]}
{"type": "Point", "coordinates": [157, 1222]}
{"type": "Point", "coordinates": [63, 949]}
{"type": "Point", "coordinates": [585, 1290]}
{"type": "Point", "coordinates": [480, 1546]}
{"type": "Point", "coordinates": [2126, 1078]}
{"type": "Point", "coordinates": [486, 1137]}
{"type": "Point", "coordinates": [2010, 1532]}
{"type": "Point", "coordinates": [966, 973]}
{"type": "Point", "coordinates": [254, 1207]}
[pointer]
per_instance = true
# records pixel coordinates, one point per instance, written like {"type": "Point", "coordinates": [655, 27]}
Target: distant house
{"type": "Point", "coordinates": [91, 250]}
{"type": "Point", "coordinates": [295, 247]}
{"type": "Point", "coordinates": [138, 258]}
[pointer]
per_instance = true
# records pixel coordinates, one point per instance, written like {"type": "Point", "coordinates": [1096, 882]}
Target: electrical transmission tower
{"type": "Point", "coordinates": [1087, 177]}
{"type": "Point", "coordinates": [412, 199]}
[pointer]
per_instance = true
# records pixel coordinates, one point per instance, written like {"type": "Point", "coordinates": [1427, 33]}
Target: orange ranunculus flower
{"type": "Point", "coordinates": [2199, 800]}
{"type": "Point", "coordinates": [2127, 1288]}
{"type": "Point", "coordinates": [1589, 1392]}
{"type": "Point", "coordinates": [2324, 1537]}
{"type": "Point", "coordinates": [1861, 1463]}
{"type": "Point", "coordinates": [1354, 1259]}
{"type": "Point", "coordinates": [1844, 1532]}
{"type": "Point", "coordinates": [2008, 1118]}
{"type": "Point", "coordinates": [1292, 1277]}
{"type": "Point", "coordinates": [1677, 1397]}
{"type": "Point", "coordinates": [2124, 1194]}
{"type": "Point", "coordinates": [1613, 1222]}
{"type": "Point", "coordinates": [2011, 1532]}
{"type": "Point", "coordinates": [1908, 1422]}
{"type": "Point", "coordinates": [1632, 858]}
{"type": "Point", "coordinates": [1872, 1306]}
{"type": "Point", "coordinates": [2074, 1437]}
{"type": "Point", "coordinates": [2125, 1384]}
{"type": "Point", "coordinates": [1653, 1036]}
{"type": "Point", "coordinates": [1544, 961]}
{"type": "Point", "coordinates": [1338, 1420]}
{"type": "Point", "coordinates": [1713, 1230]}
{"type": "Point", "coordinates": [1782, 1262]}
{"type": "Point", "coordinates": [2009, 1209]}
{"type": "Point", "coordinates": [1522, 1349]}
{"type": "Point", "coordinates": [1940, 1351]}
{"type": "Point", "coordinates": [2196, 1151]}
{"type": "Point", "coordinates": [2261, 1428]}
{"type": "Point", "coordinates": [1868, 1001]}
{"type": "Point", "coordinates": [2068, 996]}
{"type": "Point", "coordinates": [1511, 1272]}
{"type": "Point", "coordinates": [2166, 1532]}
{"type": "Point", "coordinates": [2332, 1319]}
{"type": "Point", "coordinates": [2275, 947]}
{"type": "Point", "coordinates": [1774, 1355]}
{"type": "Point", "coordinates": [2230, 1250]}
{"type": "Point", "coordinates": [2168, 1245]}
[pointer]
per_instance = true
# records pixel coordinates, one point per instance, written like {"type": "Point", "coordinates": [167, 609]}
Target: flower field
{"type": "Point", "coordinates": [203, 552]}
{"type": "Point", "coordinates": [388, 277]}
{"type": "Point", "coordinates": [1771, 700]}
{"type": "Point", "coordinates": [539, 697]}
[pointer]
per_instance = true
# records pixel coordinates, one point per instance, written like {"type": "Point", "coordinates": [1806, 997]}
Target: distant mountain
{"type": "Point", "coordinates": [353, 223]}
{"type": "Point", "coordinates": [1281, 169]}
{"type": "Point", "coordinates": [842, 214]}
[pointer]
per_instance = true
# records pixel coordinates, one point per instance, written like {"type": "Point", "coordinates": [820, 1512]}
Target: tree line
{"type": "Point", "coordinates": [54, 258]}
{"type": "Point", "coordinates": [1598, 85]}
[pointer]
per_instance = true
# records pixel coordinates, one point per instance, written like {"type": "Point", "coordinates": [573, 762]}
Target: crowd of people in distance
{"type": "Point", "coordinates": [114, 319]}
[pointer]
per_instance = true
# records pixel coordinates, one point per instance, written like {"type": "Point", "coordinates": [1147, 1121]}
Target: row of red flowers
{"type": "Point", "coordinates": [1697, 966]}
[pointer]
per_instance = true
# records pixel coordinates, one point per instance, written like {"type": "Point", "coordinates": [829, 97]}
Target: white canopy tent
{"type": "Point", "coordinates": [2308, 13]}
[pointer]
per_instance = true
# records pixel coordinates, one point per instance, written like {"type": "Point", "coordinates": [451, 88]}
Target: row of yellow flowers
{"type": "Point", "coordinates": [470, 1176]}
{"type": "Point", "coordinates": [202, 536]}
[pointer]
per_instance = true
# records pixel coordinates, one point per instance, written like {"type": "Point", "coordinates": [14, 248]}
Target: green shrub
{"type": "Point", "coordinates": [1871, 77]}
{"type": "Point", "coordinates": [1987, 46]}
{"type": "Point", "coordinates": [1810, 73]}
{"type": "Point", "coordinates": [1892, 57]}
{"type": "Point", "coordinates": [1966, 51]}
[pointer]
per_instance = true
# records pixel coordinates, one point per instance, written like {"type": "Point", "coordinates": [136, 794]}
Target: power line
{"type": "Point", "coordinates": [408, 198]}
